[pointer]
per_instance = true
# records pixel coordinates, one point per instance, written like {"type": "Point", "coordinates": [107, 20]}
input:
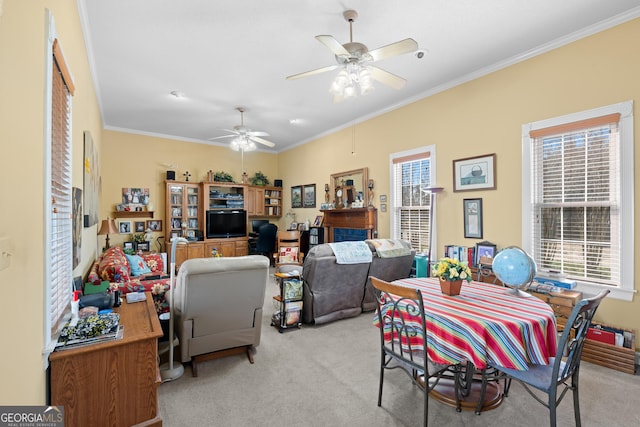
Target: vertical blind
{"type": "Point", "coordinates": [61, 270]}
{"type": "Point", "coordinates": [412, 206]}
{"type": "Point", "coordinates": [575, 222]}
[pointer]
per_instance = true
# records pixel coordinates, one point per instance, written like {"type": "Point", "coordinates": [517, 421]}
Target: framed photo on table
{"type": "Point", "coordinates": [475, 173]}
{"type": "Point", "coordinates": [472, 213]}
{"type": "Point", "coordinates": [485, 251]}
{"type": "Point", "coordinates": [318, 221]}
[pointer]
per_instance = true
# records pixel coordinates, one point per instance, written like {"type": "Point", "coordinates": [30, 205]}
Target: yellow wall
{"type": "Point", "coordinates": [22, 181]}
{"type": "Point", "coordinates": [133, 160]}
{"type": "Point", "coordinates": [480, 117]}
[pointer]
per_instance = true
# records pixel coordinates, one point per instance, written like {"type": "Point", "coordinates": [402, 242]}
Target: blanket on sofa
{"type": "Point", "coordinates": [391, 248]}
{"type": "Point", "coordinates": [351, 252]}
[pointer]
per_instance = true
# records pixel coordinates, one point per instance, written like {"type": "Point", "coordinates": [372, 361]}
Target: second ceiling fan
{"type": "Point", "coordinates": [244, 139]}
{"type": "Point", "coordinates": [355, 59]}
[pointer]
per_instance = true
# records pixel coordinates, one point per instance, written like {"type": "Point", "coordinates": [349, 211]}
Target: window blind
{"type": "Point", "coordinates": [575, 220]}
{"type": "Point", "coordinates": [411, 199]}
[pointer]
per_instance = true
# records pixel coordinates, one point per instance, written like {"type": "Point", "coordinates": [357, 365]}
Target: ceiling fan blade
{"type": "Point", "coordinates": [223, 136]}
{"type": "Point", "coordinates": [333, 45]}
{"type": "Point", "coordinates": [257, 133]}
{"type": "Point", "coordinates": [262, 141]}
{"type": "Point", "coordinates": [313, 72]}
{"type": "Point", "coordinates": [387, 78]}
{"type": "Point", "coordinates": [394, 49]}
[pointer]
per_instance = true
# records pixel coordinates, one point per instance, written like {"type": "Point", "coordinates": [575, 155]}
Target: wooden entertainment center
{"type": "Point", "coordinates": [187, 205]}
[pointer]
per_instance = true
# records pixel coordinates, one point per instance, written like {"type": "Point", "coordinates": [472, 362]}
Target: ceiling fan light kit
{"type": "Point", "coordinates": [244, 139]}
{"type": "Point", "coordinates": [354, 61]}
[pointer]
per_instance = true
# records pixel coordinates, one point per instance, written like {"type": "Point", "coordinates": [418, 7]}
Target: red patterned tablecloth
{"type": "Point", "coordinates": [485, 323]}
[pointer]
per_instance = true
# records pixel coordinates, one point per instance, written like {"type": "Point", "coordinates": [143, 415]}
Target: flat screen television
{"type": "Point", "coordinates": [226, 223]}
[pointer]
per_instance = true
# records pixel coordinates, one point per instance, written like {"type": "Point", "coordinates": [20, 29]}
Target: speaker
{"type": "Point", "coordinates": [277, 183]}
{"type": "Point", "coordinates": [171, 175]}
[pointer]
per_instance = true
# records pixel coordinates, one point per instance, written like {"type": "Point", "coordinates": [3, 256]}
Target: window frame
{"type": "Point", "coordinates": [430, 152]}
{"type": "Point", "coordinates": [625, 290]}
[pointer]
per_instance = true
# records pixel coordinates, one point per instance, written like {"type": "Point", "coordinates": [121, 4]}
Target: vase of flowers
{"type": "Point", "coordinates": [451, 273]}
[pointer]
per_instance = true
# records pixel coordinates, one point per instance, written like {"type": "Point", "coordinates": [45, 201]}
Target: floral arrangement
{"type": "Point", "coordinates": [259, 178]}
{"type": "Point", "coordinates": [222, 177]}
{"type": "Point", "coordinates": [451, 269]}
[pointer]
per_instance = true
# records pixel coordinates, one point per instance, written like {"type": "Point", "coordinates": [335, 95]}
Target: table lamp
{"type": "Point", "coordinates": [107, 227]}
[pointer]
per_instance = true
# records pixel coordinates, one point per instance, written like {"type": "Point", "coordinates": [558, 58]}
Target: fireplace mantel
{"type": "Point", "coordinates": [352, 219]}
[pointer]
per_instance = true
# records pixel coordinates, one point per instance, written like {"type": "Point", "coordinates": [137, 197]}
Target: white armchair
{"type": "Point", "coordinates": [218, 306]}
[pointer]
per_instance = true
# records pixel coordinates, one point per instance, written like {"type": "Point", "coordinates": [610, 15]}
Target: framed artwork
{"type": "Point", "coordinates": [91, 181]}
{"type": "Point", "coordinates": [135, 198]}
{"type": "Point", "coordinates": [128, 245]}
{"type": "Point", "coordinates": [124, 227]}
{"type": "Point", "coordinates": [475, 173]}
{"type": "Point", "coordinates": [318, 221]}
{"type": "Point", "coordinates": [78, 221]}
{"type": "Point", "coordinates": [293, 226]}
{"type": "Point", "coordinates": [472, 212]}
{"type": "Point", "coordinates": [139, 226]}
{"type": "Point", "coordinates": [485, 251]}
{"type": "Point", "coordinates": [309, 192]}
{"type": "Point", "coordinates": [296, 196]}
{"type": "Point", "coordinates": [154, 224]}
{"type": "Point", "coordinates": [142, 246]}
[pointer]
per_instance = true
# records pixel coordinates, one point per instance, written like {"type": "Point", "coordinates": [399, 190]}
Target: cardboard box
{"type": "Point", "coordinates": [560, 283]}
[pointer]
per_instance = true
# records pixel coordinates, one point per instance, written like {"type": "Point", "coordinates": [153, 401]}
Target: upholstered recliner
{"type": "Point", "coordinates": [218, 306]}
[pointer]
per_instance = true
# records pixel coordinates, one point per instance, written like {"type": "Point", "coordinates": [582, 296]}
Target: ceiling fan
{"type": "Point", "coordinates": [244, 139]}
{"type": "Point", "coordinates": [355, 59]}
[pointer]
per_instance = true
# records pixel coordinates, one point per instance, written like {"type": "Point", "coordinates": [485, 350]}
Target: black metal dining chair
{"type": "Point", "coordinates": [397, 336]}
{"type": "Point", "coordinates": [563, 371]}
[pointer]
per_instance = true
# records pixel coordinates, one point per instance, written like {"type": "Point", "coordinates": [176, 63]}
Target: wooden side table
{"type": "Point", "coordinates": [115, 382]}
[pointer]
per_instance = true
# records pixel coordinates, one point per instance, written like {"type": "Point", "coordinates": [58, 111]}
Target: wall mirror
{"type": "Point", "coordinates": [353, 184]}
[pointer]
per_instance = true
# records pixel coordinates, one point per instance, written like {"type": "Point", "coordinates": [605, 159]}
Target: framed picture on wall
{"type": "Point", "coordinates": [139, 226]}
{"type": "Point", "coordinates": [472, 212]}
{"type": "Point", "coordinates": [124, 227]}
{"type": "Point", "coordinates": [296, 196]}
{"type": "Point", "coordinates": [309, 194]}
{"type": "Point", "coordinates": [475, 173]}
{"type": "Point", "coordinates": [154, 225]}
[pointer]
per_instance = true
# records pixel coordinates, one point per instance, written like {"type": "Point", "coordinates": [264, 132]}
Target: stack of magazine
{"type": "Point", "coordinates": [91, 330]}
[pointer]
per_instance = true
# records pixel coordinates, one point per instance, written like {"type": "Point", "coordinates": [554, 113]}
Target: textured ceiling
{"type": "Point", "coordinates": [222, 55]}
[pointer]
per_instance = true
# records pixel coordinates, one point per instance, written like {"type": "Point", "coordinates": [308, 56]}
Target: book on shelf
{"type": "Point", "coordinates": [461, 253]}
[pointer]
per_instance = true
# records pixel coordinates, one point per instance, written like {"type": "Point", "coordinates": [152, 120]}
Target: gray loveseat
{"type": "Point", "coordinates": [335, 291]}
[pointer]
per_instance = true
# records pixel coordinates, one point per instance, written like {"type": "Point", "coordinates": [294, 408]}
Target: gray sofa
{"type": "Point", "coordinates": [335, 291]}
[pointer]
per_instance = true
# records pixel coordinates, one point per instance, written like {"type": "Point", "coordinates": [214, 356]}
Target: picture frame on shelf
{"type": "Point", "coordinates": [485, 251]}
{"type": "Point", "coordinates": [309, 196]}
{"type": "Point", "coordinates": [154, 224]}
{"type": "Point", "coordinates": [475, 173]}
{"type": "Point", "coordinates": [296, 196]}
{"type": "Point", "coordinates": [128, 246]}
{"type": "Point", "coordinates": [124, 227]}
{"type": "Point", "coordinates": [472, 214]}
{"type": "Point", "coordinates": [142, 246]}
{"type": "Point", "coordinates": [293, 226]}
{"type": "Point", "coordinates": [139, 226]}
{"type": "Point", "coordinates": [318, 221]}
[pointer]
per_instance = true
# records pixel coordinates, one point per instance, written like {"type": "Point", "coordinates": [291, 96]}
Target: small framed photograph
{"type": "Point", "coordinates": [154, 225]}
{"type": "Point", "coordinates": [296, 196]}
{"type": "Point", "coordinates": [475, 173]}
{"type": "Point", "coordinates": [383, 198]}
{"type": "Point", "coordinates": [309, 192]}
{"type": "Point", "coordinates": [142, 246]}
{"type": "Point", "coordinates": [124, 227]}
{"type": "Point", "coordinates": [485, 251]}
{"type": "Point", "coordinates": [139, 226]}
{"type": "Point", "coordinates": [128, 245]}
{"type": "Point", "coordinates": [318, 221]}
{"type": "Point", "coordinates": [293, 226]}
{"type": "Point", "coordinates": [383, 207]}
{"type": "Point", "coordinates": [472, 212]}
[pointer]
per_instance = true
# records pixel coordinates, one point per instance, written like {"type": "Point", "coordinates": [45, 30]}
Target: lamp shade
{"type": "Point", "coordinates": [107, 227]}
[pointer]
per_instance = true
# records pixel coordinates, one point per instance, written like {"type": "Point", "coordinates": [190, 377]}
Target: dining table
{"type": "Point", "coordinates": [486, 324]}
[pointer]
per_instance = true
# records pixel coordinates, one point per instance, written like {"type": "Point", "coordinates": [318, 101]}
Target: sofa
{"type": "Point", "coordinates": [132, 273]}
{"type": "Point", "coordinates": [334, 290]}
{"type": "Point", "coordinates": [218, 306]}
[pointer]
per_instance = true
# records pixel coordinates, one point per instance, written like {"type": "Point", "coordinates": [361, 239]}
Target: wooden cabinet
{"type": "Point", "coordinates": [363, 219]}
{"type": "Point", "coordinates": [233, 246]}
{"type": "Point", "coordinates": [264, 201]}
{"type": "Point", "coordinates": [188, 251]}
{"type": "Point", "coordinates": [183, 210]}
{"type": "Point", "coordinates": [116, 382]}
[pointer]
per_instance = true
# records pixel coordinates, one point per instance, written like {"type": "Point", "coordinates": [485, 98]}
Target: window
{"type": "Point", "coordinates": [58, 203]}
{"type": "Point", "coordinates": [412, 175]}
{"type": "Point", "coordinates": [578, 197]}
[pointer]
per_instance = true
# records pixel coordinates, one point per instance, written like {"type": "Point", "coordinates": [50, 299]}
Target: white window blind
{"type": "Point", "coordinates": [411, 177]}
{"type": "Point", "coordinates": [59, 250]}
{"type": "Point", "coordinates": [577, 204]}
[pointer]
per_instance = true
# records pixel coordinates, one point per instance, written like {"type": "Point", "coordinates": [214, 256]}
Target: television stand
{"type": "Point", "coordinates": [226, 247]}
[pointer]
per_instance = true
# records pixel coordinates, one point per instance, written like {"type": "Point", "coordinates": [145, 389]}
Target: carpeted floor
{"type": "Point", "coordinates": [328, 376]}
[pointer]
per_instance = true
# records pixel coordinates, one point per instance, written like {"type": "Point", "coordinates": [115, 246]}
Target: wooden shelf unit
{"type": "Point", "coordinates": [183, 204]}
{"type": "Point", "coordinates": [133, 214]}
{"type": "Point", "coordinates": [265, 202]}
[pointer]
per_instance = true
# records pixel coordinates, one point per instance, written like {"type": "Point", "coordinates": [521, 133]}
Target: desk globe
{"type": "Point", "coordinates": [515, 268]}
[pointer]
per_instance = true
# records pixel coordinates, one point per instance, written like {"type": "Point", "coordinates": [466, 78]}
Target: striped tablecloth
{"type": "Point", "coordinates": [485, 323]}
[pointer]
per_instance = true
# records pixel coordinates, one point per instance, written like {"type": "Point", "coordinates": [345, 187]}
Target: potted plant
{"type": "Point", "coordinates": [222, 177]}
{"type": "Point", "coordinates": [451, 273]}
{"type": "Point", "coordinates": [259, 178]}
